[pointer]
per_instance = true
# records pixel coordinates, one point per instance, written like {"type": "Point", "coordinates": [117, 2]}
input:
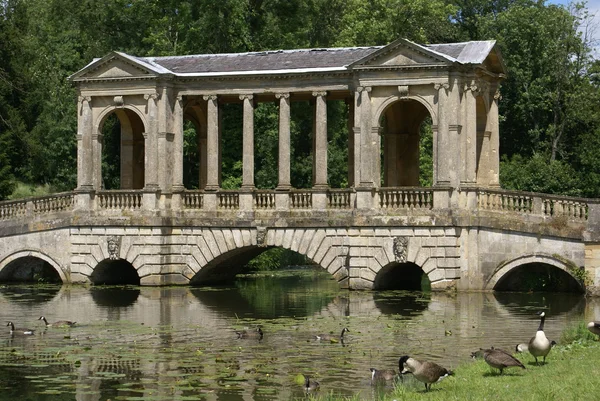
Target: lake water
{"type": "Point", "coordinates": [179, 343]}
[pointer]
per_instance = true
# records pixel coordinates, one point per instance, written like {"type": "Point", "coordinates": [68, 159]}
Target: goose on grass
{"type": "Point", "coordinates": [425, 372]}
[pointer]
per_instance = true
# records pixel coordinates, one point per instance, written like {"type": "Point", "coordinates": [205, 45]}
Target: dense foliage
{"type": "Point", "coordinates": [550, 123]}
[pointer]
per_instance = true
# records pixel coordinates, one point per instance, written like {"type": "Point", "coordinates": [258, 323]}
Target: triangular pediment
{"type": "Point", "coordinates": [115, 65]}
{"type": "Point", "coordinates": [402, 53]}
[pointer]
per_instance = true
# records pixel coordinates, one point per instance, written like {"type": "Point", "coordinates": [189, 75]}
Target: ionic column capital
{"type": "Point", "coordinates": [153, 96]}
{"type": "Point", "coordinates": [497, 95]}
{"type": "Point", "coordinates": [210, 97]}
{"type": "Point", "coordinates": [441, 85]}
{"type": "Point", "coordinates": [319, 93]}
{"type": "Point", "coordinates": [82, 99]}
{"type": "Point", "coordinates": [248, 96]}
{"type": "Point", "coordinates": [282, 95]}
{"type": "Point", "coordinates": [360, 89]}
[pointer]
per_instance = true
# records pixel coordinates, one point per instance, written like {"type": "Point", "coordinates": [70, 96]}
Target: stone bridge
{"type": "Point", "coordinates": [383, 230]}
{"type": "Point", "coordinates": [469, 239]}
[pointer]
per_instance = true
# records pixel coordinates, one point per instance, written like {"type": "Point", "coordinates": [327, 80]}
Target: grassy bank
{"type": "Point", "coordinates": [572, 372]}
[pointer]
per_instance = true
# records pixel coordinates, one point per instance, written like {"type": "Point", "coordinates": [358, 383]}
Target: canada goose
{"type": "Point", "coordinates": [522, 348]}
{"type": "Point", "coordinates": [24, 332]}
{"type": "Point", "coordinates": [594, 327]}
{"type": "Point", "coordinates": [539, 345]}
{"type": "Point", "coordinates": [310, 385]}
{"type": "Point", "coordinates": [257, 333]}
{"type": "Point", "coordinates": [60, 323]}
{"type": "Point", "coordinates": [479, 353]}
{"type": "Point", "coordinates": [382, 375]}
{"type": "Point", "coordinates": [330, 337]}
{"type": "Point", "coordinates": [426, 372]}
{"type": "Point", "coordinates": [500, 359]}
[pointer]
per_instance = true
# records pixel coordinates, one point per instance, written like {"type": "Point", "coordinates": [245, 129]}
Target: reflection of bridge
{"type": "Point", "coordinates": [463, 231]}
{"type": "Point", "coordinates": [127, 342]}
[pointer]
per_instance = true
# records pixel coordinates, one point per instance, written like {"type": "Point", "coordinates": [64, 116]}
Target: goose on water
{"type": "Point", "coordinates": [539, 345]}
{"type": "Point", "coordinates": [60, 323]}
{"type": "Point", "coordinates": [331, 337]}
{"type": "Point", "coordinates": [19, 331]}
{"type": "Point", "coordinates": [310, 385]}
{"type": "Point", "coordinates": [383, 375]}
{"type": "Point", "coordinates": [426, 372]}
{"type": "Point", "coordinates": [256, 333]}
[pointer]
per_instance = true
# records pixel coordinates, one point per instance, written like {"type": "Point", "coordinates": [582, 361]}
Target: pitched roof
{"type": "Point", "coordinates": [294, 61]}
{"type": "Point", "coordinates": [303, 59]}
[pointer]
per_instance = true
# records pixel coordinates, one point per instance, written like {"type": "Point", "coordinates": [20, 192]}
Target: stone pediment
{"type": "Point", "coordinates": [402, 53]}
{"type": "Point", "coordinates": [116, 65]}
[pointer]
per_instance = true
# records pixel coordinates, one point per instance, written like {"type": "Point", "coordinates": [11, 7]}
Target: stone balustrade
{"type": "Point", "coordinates": [388, 201]}
{"type": "Point", "coordinates": [406, 198]}
{"type": "Point", "coordinates": [119, 199]}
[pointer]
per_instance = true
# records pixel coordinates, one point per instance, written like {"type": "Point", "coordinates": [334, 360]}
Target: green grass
{"type": "Point", "coordinates": [572, 372]}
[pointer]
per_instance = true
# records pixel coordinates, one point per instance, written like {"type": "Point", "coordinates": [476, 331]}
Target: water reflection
{"type": "Point", "coordinates": [402, 303]}
{"type": "Point", "coordinates": [30, 294]}
{"type": "Point", "coordinates": [294, 293]}
{"type": "Point", "coordinates": [536, 301]}
{"type": "Point", "coordinates": [115, 297]}
{"type": "Point", "coordinates": [180, 342]}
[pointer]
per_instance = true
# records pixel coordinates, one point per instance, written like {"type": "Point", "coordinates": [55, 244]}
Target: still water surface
{"type": "Point", "coordinates": [180, 344]}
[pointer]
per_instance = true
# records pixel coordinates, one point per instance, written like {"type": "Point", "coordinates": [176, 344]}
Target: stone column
{"type": "Point", "coordinates": [85, 157]}
{"type": "Point", "coordinates": [494, 145]}
{"type": "Point", "coordinates": [469, 139]}
{"type": "Point", "coordinates": [366, 157]}
{"type": "Point", "coordinates": [178, 145]}
{"type": "Point", "coordinates": [442, 165]}
{"type": "Point", "coordinates": [363, 157]}
{"type": "Point", "coordinates": [282, 196]}
{"type": "Point", "coordinates": [351, 160]}
{"type": "Point", "coordinates": [151, 145]}
{"type": "Point", "coordinates": [320, 141]}
{"type": "Point", "coordinates": [97, 144]}
{"type": "Point", "coordinates": [212, 143]}
{"type": "Point", "coordinates": [248, 142]}
{"type": "Point", "coordinates": [284, 141]}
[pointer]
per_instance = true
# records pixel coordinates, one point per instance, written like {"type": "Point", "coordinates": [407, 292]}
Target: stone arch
{"type": "Point", "coordinates": [506, 268]}
{"type": "Point", "coordinates": [35, 254]}
{"type": "Point", "coordinates": [216, 247]}
{"type": "Point", "coordinates": [115, 271]}
{"type": "Point", "coordinates": [399, 276]}
{"type": "Point", "coordinates": [393, 99]}
{"type": "Point", "coordinates": [132, 144]}
{"type": "Point", "coordinates": [110, 109]}
{"type": "Point", "coordinates": [400, 122]}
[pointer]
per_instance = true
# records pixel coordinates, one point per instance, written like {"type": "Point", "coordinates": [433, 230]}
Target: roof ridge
{"type": "Point", "coordinates": [263, 52]}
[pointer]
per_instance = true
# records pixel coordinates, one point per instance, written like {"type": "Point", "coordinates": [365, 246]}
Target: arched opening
{"type": "Point", "coordinates": [113, 272]}
{"type": "Point", "coordinates": [402, 276]}
{"type": "Point", "coordinates": [406, 145]}
{"type": "Point", "coordinates": [29, 269]}
{"type": "Point", "coordinates": [265, 282]}
{"type": "Point", "coordinates": [123, 150]}
{"type": "Point", "coordinates": [538, 276]}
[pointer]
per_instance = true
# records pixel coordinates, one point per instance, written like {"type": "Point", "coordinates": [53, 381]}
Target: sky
{"type": "Point", "coordinates": [593, 7]}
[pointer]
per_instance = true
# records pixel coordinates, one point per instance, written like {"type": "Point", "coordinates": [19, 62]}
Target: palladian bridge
{"type": "Point", "coordinates": [382, 231]}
